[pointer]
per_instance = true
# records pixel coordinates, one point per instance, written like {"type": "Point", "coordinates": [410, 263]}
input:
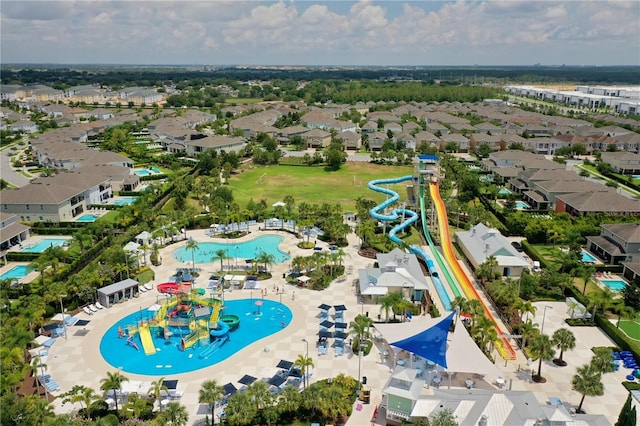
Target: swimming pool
{"type": "Point", "coordinates": [504, 191]}
{"type": "Point", "coordinates": [588, 257]}
{"type": "Point", "coordinates": [125, 201]}
{"type": "Point", "coordinates": [17, 272]}
{"type": "Point", "coordinates": [522, 205]}
{"type": "Point", "coordinates": [615, 285]}
{"type": "Point", "coordinates": [43, 244]}
{"type": "Point", "coordinates": [87, 218]}
{"type": "Point", "coordinates": [169, 359]}
{"type": "Point", "coordinates": [245, 250]}
{"type": "Point", "coordinates": [143, 172]}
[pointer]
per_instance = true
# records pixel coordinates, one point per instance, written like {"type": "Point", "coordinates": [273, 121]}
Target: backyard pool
{"type": "Point", "coordinates": [125, 201]}
{"type": "Point", "coordinates": [615, 285]}
{"type": "Point", "coordinates": [87, 218]}
{"type": "Point", "coordinates": [504, 191]}
{"type": "Point", "coordinates": [147, 172]}
{"type": "Point", "coordinates": [588, 257]}
{"type": "Point", "coordinates": [206, 252]}
{"type": "Point", "coordinates": [43, 244]}
{"type": "Point", "coordinates": [16, 273]}
{"type": "Point", "coordinates": [521, 205]}
{"type": "Point", "coordinates": [259, 318]}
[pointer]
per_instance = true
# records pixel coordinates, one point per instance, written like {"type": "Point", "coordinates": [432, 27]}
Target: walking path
{"type": "Point", "coordinates": [77, 360]}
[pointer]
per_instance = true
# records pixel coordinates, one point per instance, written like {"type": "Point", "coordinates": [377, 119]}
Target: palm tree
{"type": "Point", "coordinates": [387, 303]}
{"type": "Point", "coordinates": [210, 392]}
{"type": "Point", "coordinates": [37, 363]}
{"type": "Point", "coordinates": [135, 405]}
{"type": "Point", "coordinates": [241, 409]}
{"type": "Point", "coordinates": [221, 255]}
{"type": "Point", "coordinates": [193, 246]}
{"type": "Point", "coordinates": [586, 272]}
{"type": "Point", "coordinates": [304, 362]}
{"type": "Point", "coordinates": [84, 395]}
{"type": "Point", "coordinates": [265, 258]}
{"type": "Point", "coordinates": [460, 303]}
{"type": "Point", "coordinates": [259, 394]}
{"type": "Point", "coordinates": [587, 381]}
{"type": "Point", "coordinates": [541, 349]}
{"type": "Point", "coordinates": [113, 381]}
{"type": "Point", "coordinates": [564, 340]}
{"type": "Point", "coordinates": [624, 311]}
{"type": "Point", "coordinates": [602, 360]}
{"type": "Point", "coordinates": [600, 299]}
{"type": "Point", "coordinates": [156, 389]}
{"type": "Point", "coordinates": [175, 414]}
{"type": "Point", "coordinates": [39, 411]}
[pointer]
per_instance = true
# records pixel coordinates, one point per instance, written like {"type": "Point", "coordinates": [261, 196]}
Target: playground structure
{"type": "Point", "coordinates": [427, 174]}
{"type": "Point", "coordinates": [187, 320]}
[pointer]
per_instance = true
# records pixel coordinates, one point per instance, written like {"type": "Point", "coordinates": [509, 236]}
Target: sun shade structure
{"type": "Point", "coordinates": [326, 324]}
{"type": "Point", "coordinates": [229, 389]}
{"type": "Point", "coordinates": [340, 308]}
{"type": "Point", "coordinates": [285, 365]}
{"type": "Point", "coordinates": [325, 333]}
{"type": "Point", "coordinates": [277, 380]}
{"type": "Point", "coordinates": [324, 307]}
{"type": "Point", "coordinates": [170, 384]}
{"type": "Point", "coordinates": [431, 343]}
{"type": "Point", "coordinates": [341, 335]}
{"type": "Point", "coordinates": [247, 380]}
{"type": "Point", "coordinates": [341, 325]}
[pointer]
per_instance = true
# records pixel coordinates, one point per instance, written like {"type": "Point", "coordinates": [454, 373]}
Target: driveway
{"type": "Point", "coordinates": [7, 172]}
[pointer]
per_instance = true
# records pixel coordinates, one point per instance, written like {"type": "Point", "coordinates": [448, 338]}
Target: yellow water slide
{"type": "Point", "coordinates": [215, 312]}
{"type": "Point", "coordinates": [503, 346]}
{"type": "Point", "coordinates": [147, 341]}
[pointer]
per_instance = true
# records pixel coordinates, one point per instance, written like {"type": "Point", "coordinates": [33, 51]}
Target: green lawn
{"type": "Point", "coordinates": [632, 329]}
{"type": "Point", "coordinates": [242, 101]}
{"type": "Point", "coordinates": [315, 185]}
{"type": "Point", "coordinates": [549, 252]}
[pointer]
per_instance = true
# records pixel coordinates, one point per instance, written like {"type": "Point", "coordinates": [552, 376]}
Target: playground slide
{"type": "Point", "coordinates": [504, 347]}
{"type": "Point", "coordinates": [410, 218]}
{"type": "Point", "coordinates": [194, 338]}
{"type": "Point", "coordinates": [147, 341]}
{"type": "Point", "coordinates": [215, 312]}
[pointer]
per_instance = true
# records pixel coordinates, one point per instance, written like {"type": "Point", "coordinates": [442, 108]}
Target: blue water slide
{"type": "Point", "coordinates": [410, 217]}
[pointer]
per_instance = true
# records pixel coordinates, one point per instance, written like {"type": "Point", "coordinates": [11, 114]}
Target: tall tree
{"type": "Point", "coordinates": [587, 381]}
{"type": "Point", "coordinates": [113, 381]}
{"type": "Point", "coordinates": [563, 339]}
{"type": "Point", "coordinates": [541, 348]}
{"type": "Point", "coordinates": [304, 362]}
{"type": "Point", "coordinates": [156, 390]}
{"type": "Point", "coordinates": [210, 392]}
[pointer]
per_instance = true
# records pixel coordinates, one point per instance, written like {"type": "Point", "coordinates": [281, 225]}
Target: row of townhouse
{"type": "Point", "coordinates": [88, 94]}
{"type": "Point", "coordinates": [621, 100]}
{"type": "Point", "coordinates": [547, 185]}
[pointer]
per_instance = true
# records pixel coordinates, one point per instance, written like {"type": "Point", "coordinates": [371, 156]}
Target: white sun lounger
{"type": "Point", "coordinates": [93, 308]}
{"type": "Point", "coordinates": [142, 289]}
{"type": "Point", "coordinates": [87, 310]}
{"type": "Point", "coordinates": [148, 286]}
{"type": "Point", "coordinates": [98, 305]}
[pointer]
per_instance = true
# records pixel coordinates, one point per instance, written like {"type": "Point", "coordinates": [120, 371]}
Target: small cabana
{"type": "Point", "coordinates": [144, 238]}
{"type": "Point", "coordinates": [116, 292]}
{"type": "Point", "coordinates": [302, 280]}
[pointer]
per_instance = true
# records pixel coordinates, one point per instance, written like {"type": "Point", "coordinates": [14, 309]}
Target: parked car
{"type": "Point", "coordinates": [516, 245]}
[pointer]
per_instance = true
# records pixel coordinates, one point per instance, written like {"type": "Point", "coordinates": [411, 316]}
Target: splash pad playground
{"type": "Point", "coordinates": [189, 332]}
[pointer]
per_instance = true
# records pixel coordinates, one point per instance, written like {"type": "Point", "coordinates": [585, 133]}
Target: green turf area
{"type": "Point", "coordinates": [315, 185]}
{"type": "Point", "coordinates": [632, 329]}
{"type": "Point", "coordinates": [242, 101]}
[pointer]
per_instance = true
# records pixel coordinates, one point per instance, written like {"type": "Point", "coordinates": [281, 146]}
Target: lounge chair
{"type": "Point", "coordinates": [93, 308]}
{"type": "Point", "coordinates": [98, 305]}
{"type": "Point", "coordinates": [148, 286]}
{"type": "Point", "coordinates": [322, 350]}
{"type": "Point", "coordinates": [339, 350]}
{"type": "Point", "coordinates": [141, 289]}
{"type": "Point", "coordinates": [87, 310]}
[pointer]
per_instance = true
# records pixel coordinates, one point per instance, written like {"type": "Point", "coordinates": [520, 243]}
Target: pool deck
{"type": "Point", "coordinates": [77, 360]}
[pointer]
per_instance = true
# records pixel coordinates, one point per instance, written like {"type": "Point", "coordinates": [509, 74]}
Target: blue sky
{"type": "Point", "coordinates": [321, 32]}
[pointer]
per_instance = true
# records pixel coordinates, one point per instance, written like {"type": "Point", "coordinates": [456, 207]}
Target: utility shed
{"type": "Point", "coordinates": [117, 292]}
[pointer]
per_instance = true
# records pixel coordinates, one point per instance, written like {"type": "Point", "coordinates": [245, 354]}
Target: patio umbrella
{"type": "Point", "coordinates": [229, 389]}
{"type": "Point", "coordinates": [295, 372]}
{"type": "Point", "coordinates": [324, 307]}
{"type": "Point", "coordinates": [325, 333]}
{"type": "Point", "coordinates": [247, 380]}
{"type": "Point", "coordinates": [341, 335]}
{"type": "Point", "coordinates": [339, 308]}
{"type": "Point", "coordinates": [277, 380]}
{"type": "Point", "coordinates": [285, 365]}
{"type": "Point", "coordinates": [170, 384]}
{"type": "Point", "coordinates": [326, 324]}
{"type": "Point", "coordinates": [341, 325]}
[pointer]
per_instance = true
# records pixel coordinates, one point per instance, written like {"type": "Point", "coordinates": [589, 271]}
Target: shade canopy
{"type": "Point", "coordinates": [430, 343]}
{"type": "Point", "coordinates": [277, 380]}
{"type": "Point", "coordinates": [339, 308]}
{"type": "Point", "coordinates": [229, 389]}
{"type": "Point", "coordinates": [170, 384]}
{"type": "Point", "coordinates": [325, 333]}
{"type": "Point", "coordinates": [326, 324]}
{"type": "Point", "coordinates": [295, 372]}
{"type": "Point", "coordinates": [247, 379]}
{"type": "Point", "coordinates": [341, 325]}
{"type": "Point", "coordinates": [324, 307]}
{"type": "Point", "coordinates": [340, 335]}
{"type": "Point", "coordinates": [284, 364]}
{"type": "Point", "coordinates": [462, 354]}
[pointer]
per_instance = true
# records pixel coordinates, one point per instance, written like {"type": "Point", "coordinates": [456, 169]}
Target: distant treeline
{"type": "Point", "coordinates": [120, 76]}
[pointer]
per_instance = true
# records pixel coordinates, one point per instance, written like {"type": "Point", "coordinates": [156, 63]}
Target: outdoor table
{"type": "Point", "coordinates": [437, 380]}
{"type": "Point", "coordinates": [500, 381]}
{"type": "Point", "coordinates": [400, 362]}
{"type": "Point", "coordinates": [469, 383]}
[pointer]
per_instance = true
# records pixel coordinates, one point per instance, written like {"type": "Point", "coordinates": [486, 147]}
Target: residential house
{"type": "Point", "coordinates": [488, 128]}
{"type": "Point", "coordinates": [605, 201]}
{"type": "Point", "coordinates": [376, 140]}
{"type": "Point", "coordinates": [352, 140]}
{"type": "Point", "coordinates": [342, 126]}
{"type": "Point", "coordinates": [426, 137]}
{"type": "Point", "coordinates": [625, 163]}
{"type": "Point", "coordinates": [385, 116]}
{"type": "Point", "coordinates": [411, 127]}
{"type": "Point", "coordinates": [369, 127]}
{"type": "Point", "coordinates": [480, 242]}
{"type": "Point", "coordinates": [542, 194]}
{"type": "Point", "coordinates": [24, 126]}
{"type": "Point", "coordinates": [285, 134]}
{"type": "Point", "coordinates": [617, 243]}
{"type": "Point", "coordinates": [461, 141]}
{"type": "Point", "coordinates": [494, 142]}
{"type": "Point", "coordinates": [436, 128]}
{"type": "Point", "coordinates": [394, 127]}
{"type": "Point", "coordinates": [398, 272]}
{"type": "Point", "coordinates": [12, 232]}
{"type": "Point", "coordinates": [317, 138]}
{"type": "Point", "coordinates": [408, 140]}
{"type": "Point", "coordinates": [545, 145]}
{"type": "Point", "coordinates": [198, 143]}
{"type": "Point", "coordinates": [631, 271]}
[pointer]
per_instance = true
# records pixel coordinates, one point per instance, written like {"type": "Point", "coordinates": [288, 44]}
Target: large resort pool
{"type": "Point", "coordinates": [207, 252]}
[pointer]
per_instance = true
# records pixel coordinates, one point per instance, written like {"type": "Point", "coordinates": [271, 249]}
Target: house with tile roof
{"type": "Point", "coordinates": [625, 163]}
{"type": "Point", "coordinates": [617, 243]}
{"type": "Point", "coordinates": [317, 138]}
{"type": "Point", "coordinates": [12, 232]}
{"type": "Point", "coordinates": [352, 140]}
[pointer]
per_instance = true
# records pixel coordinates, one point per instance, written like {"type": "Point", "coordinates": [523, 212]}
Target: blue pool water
{"type": "Point", "coordinates": [245, 250]}
{"type": "Point", "coordinates": [588, 257]}
{"type": "Point", "coordinates": [156, 170]}
{"type": "Point", "coordinates": [169, 359]}
{"type": "Point", "coordinates": [42, 245]}
{"type": "Point", "coordinates": [504, 191]}
{"type": "Point", "coordinates": [143, 172]}
{"type": "Point", "coordinates": [615, 285]}
{"type": "Point", "coordinates": [125, 201]}
{"type": "Point", "coordinates": [16, 272]}
{"type": "Point", "coordinates": [87, 218]}
{"type": "Point", "coordinates": [522, 205]}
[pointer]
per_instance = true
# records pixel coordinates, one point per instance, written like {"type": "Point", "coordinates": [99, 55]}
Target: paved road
{"type": "Point", "coordinates": [7, 172]}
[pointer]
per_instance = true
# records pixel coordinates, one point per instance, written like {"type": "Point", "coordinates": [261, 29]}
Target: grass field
{"type": "Point", "coordinates": [632, 329]}
{"type": "Point", "coordinates": [242, 101]}
{"type": "Point", "coordinates": [315, 185]}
